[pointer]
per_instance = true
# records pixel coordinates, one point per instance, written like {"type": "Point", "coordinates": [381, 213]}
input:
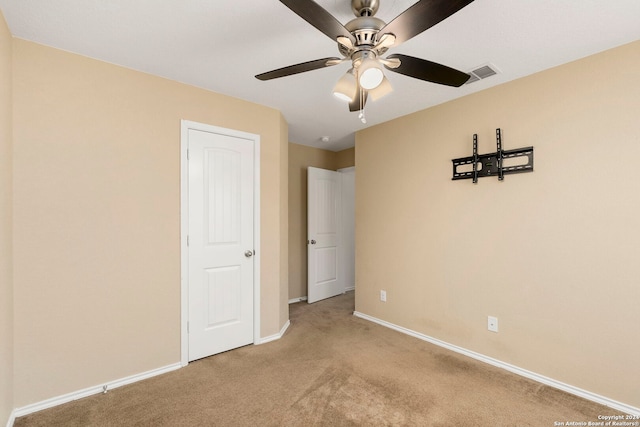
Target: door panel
{"type": "Point", "coordinates": [327, 260]}
{"type": "Point", "coordinates": [324, 218]}
{"type": "Point", "coordinates": [220, 232]}
{"type": "Point", "coordinates": [224, 294]}
{"type": "Point", "coordinates": [223, 194]}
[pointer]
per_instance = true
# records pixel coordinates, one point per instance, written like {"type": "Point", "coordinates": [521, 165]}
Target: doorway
{"type": "Point", "coordinates": [330, 232]}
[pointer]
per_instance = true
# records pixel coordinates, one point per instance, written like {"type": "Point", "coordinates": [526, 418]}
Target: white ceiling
{"type": "Point", "coordinates": [221, 45]}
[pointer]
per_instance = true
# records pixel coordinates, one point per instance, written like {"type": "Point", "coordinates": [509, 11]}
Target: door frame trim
{"type": "Point", "coordinates": [185, 126]}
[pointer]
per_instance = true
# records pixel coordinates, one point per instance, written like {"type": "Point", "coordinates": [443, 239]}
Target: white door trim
{"type": "Point", "coordinates": [185, 125]}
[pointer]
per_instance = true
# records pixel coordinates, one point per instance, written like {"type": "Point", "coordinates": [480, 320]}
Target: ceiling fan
{"type": "Point", "coordinates": [365, 39]}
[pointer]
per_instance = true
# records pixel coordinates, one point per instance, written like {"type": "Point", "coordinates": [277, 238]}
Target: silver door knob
{"type": "Point", "coordinates": [248, 254]}
{"type": "Point", "coordinates": [313, 242]}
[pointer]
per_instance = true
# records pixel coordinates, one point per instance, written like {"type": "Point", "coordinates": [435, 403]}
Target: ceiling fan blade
{"type": "Point", "coordinates": [422, 15]}
{"type": "Point", "coordinates": [359, 100]}
{"type": "Point", "coordinates": [336, 61]}
{"type": "Point", "coordinates": [429, 71]}
{"type": "Point", "coordinates": [299, 68]}
{"type": "Point", "coordinates": [317, 16]}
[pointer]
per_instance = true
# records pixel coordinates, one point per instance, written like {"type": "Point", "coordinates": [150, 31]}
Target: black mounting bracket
{"type": "Point", "coordinates": [492, 164]}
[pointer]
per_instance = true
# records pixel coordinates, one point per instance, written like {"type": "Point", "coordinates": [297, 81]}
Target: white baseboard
{"type": "Point", "coordinates": [12, 418]}
{"type": "Point", "coordinates": [59, 400]}
{"type": "Point", "coordinates": [55, 401]}
{"type": "Point", "coordinates": [623, 407]}
{"type": "Point", "coordinates": [277, 336]}
{"type": "Point", "coordinates": [350, 288]}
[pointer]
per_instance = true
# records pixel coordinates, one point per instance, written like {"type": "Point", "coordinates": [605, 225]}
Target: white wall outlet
{"type": "Point", "coordinates": [492, 324]}
{"type": "Point", "coordinates": [383, 296]}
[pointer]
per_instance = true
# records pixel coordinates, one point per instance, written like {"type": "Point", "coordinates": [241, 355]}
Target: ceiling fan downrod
{"type": "Point", "coordinates": [365, 7]}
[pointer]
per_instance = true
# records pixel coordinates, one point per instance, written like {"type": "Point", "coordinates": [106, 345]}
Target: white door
{"type": "Point", "coordinates": [323, 234]}
{"type": "Point", "coordinates": [220, 243]}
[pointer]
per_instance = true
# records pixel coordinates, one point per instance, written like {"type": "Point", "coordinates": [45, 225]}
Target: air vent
{"type": "Point", "coordinates": [482, 72]}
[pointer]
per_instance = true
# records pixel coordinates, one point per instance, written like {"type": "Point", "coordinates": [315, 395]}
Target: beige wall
{"type": "Point", "coordinates": [345, 158]}
{"type": "Point", "coordinates": [301, 157]}
{"type": "Point", "coordinates": [6, 276]}
{"type": "Point", "coordinates": [553, 254]}
{"type": "Point", "coordinates": [97, 217]}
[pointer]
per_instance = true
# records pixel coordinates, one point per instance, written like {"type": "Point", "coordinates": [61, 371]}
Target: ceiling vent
{"type": "Point", "coordinates": [482, 72]}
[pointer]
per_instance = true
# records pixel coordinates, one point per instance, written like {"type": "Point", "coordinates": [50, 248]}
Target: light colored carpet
{"type": "Point", "coordinates": [330, 369]}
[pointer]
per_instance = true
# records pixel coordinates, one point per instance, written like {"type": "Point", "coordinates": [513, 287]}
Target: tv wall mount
{"type": "Point", "coordinates": [492, 164]}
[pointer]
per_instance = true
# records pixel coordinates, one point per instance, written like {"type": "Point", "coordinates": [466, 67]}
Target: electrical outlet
{"type": "Point", "coordinates": [492, 324]}
{"type": "Point", "coordinates": [383, 296]}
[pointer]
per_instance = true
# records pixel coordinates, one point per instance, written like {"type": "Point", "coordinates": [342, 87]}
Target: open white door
{"type": "Point", "coordinates": [323, 234]}
{"type": "Point", "coordinates": [220, 242]}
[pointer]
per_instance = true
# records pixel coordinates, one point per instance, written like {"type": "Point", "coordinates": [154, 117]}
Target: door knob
{"type": "Point", "coordinates": [248, 254]}
{"type": "Point", "coordinates": [313, 242]}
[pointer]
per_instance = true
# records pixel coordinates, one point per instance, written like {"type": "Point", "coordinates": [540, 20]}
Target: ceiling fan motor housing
{"type": "Point", "coordinates": [365, 30]}
{"type": "Point", "coordinates": [365, 7]}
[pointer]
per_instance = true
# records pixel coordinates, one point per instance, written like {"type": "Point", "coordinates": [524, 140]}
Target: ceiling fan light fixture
{"type": "Point", "coordinates": [346, 88]}
{"type": "Point", "coordinates": [383, 89]}
{"type": "Point", "coordinates": [370, 74]}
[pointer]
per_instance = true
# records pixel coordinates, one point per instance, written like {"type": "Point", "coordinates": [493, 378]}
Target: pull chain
{"type": "Point", "coordinates": [361, 116]}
